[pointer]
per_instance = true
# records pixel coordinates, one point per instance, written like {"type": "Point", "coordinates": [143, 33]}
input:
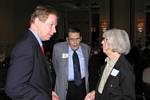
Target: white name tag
{"type": "Point", "coordinates": [114, 72]}
{"type": "Point", "coordinates": [65, 55]}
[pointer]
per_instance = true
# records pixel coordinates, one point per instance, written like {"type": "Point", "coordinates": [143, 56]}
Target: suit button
{"type": "Point", "coordinates": [111, 85]}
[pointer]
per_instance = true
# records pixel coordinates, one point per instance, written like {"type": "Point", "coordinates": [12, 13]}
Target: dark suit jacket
{"type": "Point", "coordinates": [29, 74]}
{"type": "Point", "coordinates": [120, 87]}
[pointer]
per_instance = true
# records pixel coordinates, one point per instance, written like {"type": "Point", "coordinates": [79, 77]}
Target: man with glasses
{"type": "Point", "coordinates": [70, 61]}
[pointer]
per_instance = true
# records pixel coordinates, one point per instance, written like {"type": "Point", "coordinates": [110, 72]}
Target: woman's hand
{"type": "Point", "coordinates": [90, 96]}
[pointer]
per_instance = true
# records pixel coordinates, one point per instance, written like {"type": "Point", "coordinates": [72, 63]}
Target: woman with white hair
{"type": "Point", "coordinates": [117, 80]}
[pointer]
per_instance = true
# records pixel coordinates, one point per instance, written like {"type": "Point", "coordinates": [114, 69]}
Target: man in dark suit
{"type": "Point", "coordinates": [29, 76]}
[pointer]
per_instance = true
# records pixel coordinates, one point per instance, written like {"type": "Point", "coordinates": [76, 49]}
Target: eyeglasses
{"type": "Point", "coordinates": [74, 39]}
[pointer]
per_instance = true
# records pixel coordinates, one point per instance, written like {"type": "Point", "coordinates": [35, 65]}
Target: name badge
{"type": "Point", "coordinates": [65, 55]}
{"type": "Point", "coordinates": [114, 72]}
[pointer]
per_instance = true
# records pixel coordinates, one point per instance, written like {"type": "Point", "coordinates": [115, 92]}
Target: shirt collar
{"type": "Point", "coordinates": [37, 37]}
{"type": "Point", "coordinates": [110, 62]}
{"type": "Point", "coordinates": [78, 50]}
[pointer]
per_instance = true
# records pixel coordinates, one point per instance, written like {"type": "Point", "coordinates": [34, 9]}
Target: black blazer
{"type": "Point", "coordinates": [121, 86]}
{"type": "Point", "coordinates": [28, 75]}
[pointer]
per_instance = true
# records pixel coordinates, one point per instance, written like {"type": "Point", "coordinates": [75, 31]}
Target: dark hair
{"type": "Point", "coordinates": [73, 30]}
{"type": "Point", "coordinates": [42, 12]}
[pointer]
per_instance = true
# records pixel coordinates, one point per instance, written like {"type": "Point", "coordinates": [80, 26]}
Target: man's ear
{"type": "Point", "coordinates": [36, 20]}
{"type": "Point", "coordinates": [81, 38]}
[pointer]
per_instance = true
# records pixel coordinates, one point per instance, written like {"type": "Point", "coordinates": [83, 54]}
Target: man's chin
{"type": "Point", "coordinates": [49, 38]}
{"type": "Point", "coordinates": [75, 48]}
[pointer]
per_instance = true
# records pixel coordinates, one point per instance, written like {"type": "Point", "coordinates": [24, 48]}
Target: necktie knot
{"type": "Point", "coordinates": [75, 54]}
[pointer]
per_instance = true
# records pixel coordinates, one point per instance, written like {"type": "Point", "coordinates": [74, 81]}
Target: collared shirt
{"type": "Point", "coordinates": [37, 37]}
{"type": "Point", "coordinates": [108, 68]}
{"type": "Point", "coordinates": [70, 64]}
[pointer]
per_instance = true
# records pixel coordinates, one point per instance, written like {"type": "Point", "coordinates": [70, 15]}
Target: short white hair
{"type": "Point", "coordinates": [118, 40]}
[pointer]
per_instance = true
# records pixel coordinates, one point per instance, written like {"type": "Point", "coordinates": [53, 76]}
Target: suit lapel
{"type": "Point", "coordinates": [66, 51]}
{"type": "Point", "coordinates": [38, 53]}
{"type": "Point", "coordinates": [111, 77]}
{"type": "Point", "coordinates": [85, 54]}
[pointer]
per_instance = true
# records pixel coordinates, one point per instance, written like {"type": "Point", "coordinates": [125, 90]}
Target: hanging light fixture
{"type": "Point", "coordinates": [140, 25]}
{"type": "Point", "coordinates": [104, 25]}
